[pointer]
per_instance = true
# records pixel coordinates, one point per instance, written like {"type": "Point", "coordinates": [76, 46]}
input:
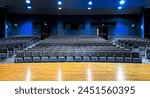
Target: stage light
{"type": "Point", "coordinates": [59, 8]}
{"type": "Point", "coordinates": [119, 7]}
{"type": "Point", "coordinates": [89, 8]}
{"type": "Point", "coordinates": [29, 7]}
{"type": "Point", "coordinates": [90, 3]}
{"type": "Point", "coordinates": [28, 1]}
{"type": "Point", "coordinates": [59, 3]}
{"type": "Point", "coordinates": [122, 2]}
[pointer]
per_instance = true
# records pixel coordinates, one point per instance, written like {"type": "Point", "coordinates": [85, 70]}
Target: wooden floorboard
{"type": "Point", "coordinates": [74, 72]}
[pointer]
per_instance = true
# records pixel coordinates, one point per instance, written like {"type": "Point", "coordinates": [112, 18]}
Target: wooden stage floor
{"type": "Point", "coordinates": [74, 72]}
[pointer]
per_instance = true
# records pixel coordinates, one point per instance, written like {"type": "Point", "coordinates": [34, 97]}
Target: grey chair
{"type": "Point", "coordinates": [77, 56]}
{"type": "Point", "coordinates": [19, 58]}
{"type": "Point", "coordinates": [36, 56]}
{"type": "Point", "coordinates": [102, 56]}
{"type": "Point", "coordinates": [110, 56]}
{"type": "Point", "coordinates": [85, 56]}
{"type": "Point", "coordinates": [61, 56]}
{"type": "Point", "coordinates": [53, 57]}
{"type": "Point", "coordinates": [3, 53]}
{"type": "Point", "coordinates": [45, 56]}
{"type": "Point", "coordinates": [127, 57]}
{"type": "Point", "coordinates": [136, 57]}
{"type": "Point", "coordinates": [70, 56]}
{"type": "Point", "coordinates": [94, 56]}
{"type": "Point", "coordinates": [28, 56]}
{"type": "Point", "coordinates": [118, 57]}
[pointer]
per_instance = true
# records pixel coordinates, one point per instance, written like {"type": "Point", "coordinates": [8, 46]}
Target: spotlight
{"type": "Point", "coordinates": [89, 8]}
{"type": "Point", "coordinates": [28, 1]}
{"type": "Point", "coordinates": [45, 24]}
{"type": "Point", "coordinates": [90, 3]}
{"type": "Point", "coordinates": [122, 2]}
{"type": "Point", "coordinates": [59, 3]}
{"type": "Point", "coordinates": [59, 8]}
{"type": "Point", "coordinates": [119, 7]}
{"type": "Point", "coordinates": [29, 7]}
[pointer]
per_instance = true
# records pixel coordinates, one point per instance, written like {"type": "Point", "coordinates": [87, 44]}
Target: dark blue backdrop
{"type": "Point", "coordinates": [23, 25]}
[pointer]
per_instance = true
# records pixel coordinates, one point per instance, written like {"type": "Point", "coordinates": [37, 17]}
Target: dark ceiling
{"type": "Point", "coordinates": [75, 7]}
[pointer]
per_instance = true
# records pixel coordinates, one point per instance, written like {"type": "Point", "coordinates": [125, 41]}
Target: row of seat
{"type": "Point", "coordinates": [10, 46]}
{"type": "Point", "coordinates": [148, 53]}
{"type": "Point", "coordinates": [134, 44]}
{"type": "Point", "coordinates": [75, 48]}
{"type": "Point", "coordinates": [78, 56]}
{"type": "Point", "coordinates": [74, 41]}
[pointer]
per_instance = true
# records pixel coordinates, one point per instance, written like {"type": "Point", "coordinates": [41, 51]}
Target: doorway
{"type": "Point", "coordinates": [102, 31]}
{"type": "Point", "coordinates": [45, 31]}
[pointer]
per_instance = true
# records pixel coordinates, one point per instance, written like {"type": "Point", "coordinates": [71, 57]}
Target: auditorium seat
{"type": "Point", "coordinates": [36, 56]}
{"type": "Point", "coordinates": [69, 56]}
{"type": "Point", "coordinates": [61, 56]}
{"type": "Point", "coordinates": [3, 53]}
{"type": "Point", "coordinates": [53, 56]}
{"type": "Point", "coordinates": [148, 53]}
{"type": "Point", "coordinates": [19, 57]}
{"type": "Point", "coordinates": [110, 56]}
{"type": "Point", "coordinates": [78, 57]}
{"type": "Point", "coordinates": [45, 56]}
{"type": "Point", "coordinates": [94, 56]}
{"type": "Point", "coordinates": [85, 56]}
{"type": "Point", "coordinates": [119, 56]}
{"type": "Point", "coordinates": [136, 57]}
{"type": "Point", "coordinates": [28, 56]}
{"type": "Point", "coordinates": [10, 50]}
{"type": "Point", "coordinates": [102, 56]}
{"type": "Point", "coordinates": [127, 57]}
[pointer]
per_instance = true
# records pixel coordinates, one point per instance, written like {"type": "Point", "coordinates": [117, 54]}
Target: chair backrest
{"type": "Point", "coordinates": [101, 54]}
{"type": "Point", "coordinates": [135, 54]}
{"type": "Point", "coordinates": [36, 54]}
{"type": "Point", "coordinates": [77, 53]}
{"type": "Point", "coordinates": [69, 54]}
{"type": "Point", "coordinates": [127, 54]}
{"type": "Point", "coordinates": [85, 53]}
{"type": "Point", "coordinates": [45, 54]}
{"type": "Point", "coordinates": [93, 54]}
{"type": "Point", "coordinates": [20, 54]}
{"type": "Point", "coordinates": [118, 53]}
{"type": "Point", "coordinates": [54, 54]}
{"type": "Point", "coordinates": [62, 54]}
{"type": "Point", "coordinates": [28, 54]}
{"type": "Point", "coordinates": [110, 54]}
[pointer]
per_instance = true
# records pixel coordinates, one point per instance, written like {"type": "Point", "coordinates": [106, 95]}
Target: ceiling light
{"type": "Point", "coordinates": [89, 8]}
{"type": "Point", "coordinates": [29, 7]}
{"type": "Point", "coordinates": [28, 1]}
{"type": "Point", "coordinates": [59, 8]}
{"type": "Point", "coordinates": [90, 3]}
{"type": "Point", "coordinates": [122, 2]}
{"type": "Point", "coordinates": [119, 7]}
{"type": "Point", "coordinates": [45, 24]}
{"type": "Point", "coordinates": [59, 3]}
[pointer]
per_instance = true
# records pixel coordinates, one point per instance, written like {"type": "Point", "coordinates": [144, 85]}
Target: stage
{"type": "Point", "coordinates": [74, 72]}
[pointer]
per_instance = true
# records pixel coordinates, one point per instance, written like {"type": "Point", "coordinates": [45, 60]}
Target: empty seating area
{"type": "Point", "coordinates": [76, 49]}
{"type": "Point", "coordinates": [12, 45]}
{"type": "Point", "coordinates": [136, 44]}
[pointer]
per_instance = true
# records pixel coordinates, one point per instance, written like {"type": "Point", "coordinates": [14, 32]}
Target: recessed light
{"type": "Point", "coordinates": [122, 2]}
{"type": "Point", "coordinates": [59, 8]}
{"type": "Point", "coordinates": [59, 3]}
{"type": "Point", "coordinates": [29, 7]}
{"type": "Point", "coordinates": [119, 7]}
{"type": "Point", "coordinates": [89, 8]}
{"type": "Point", "coordinates": [90, 3]}
{"type": "Point", "coordinates": [28, 1]}
{"type": "Point", "coordinates": [45, 24]}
